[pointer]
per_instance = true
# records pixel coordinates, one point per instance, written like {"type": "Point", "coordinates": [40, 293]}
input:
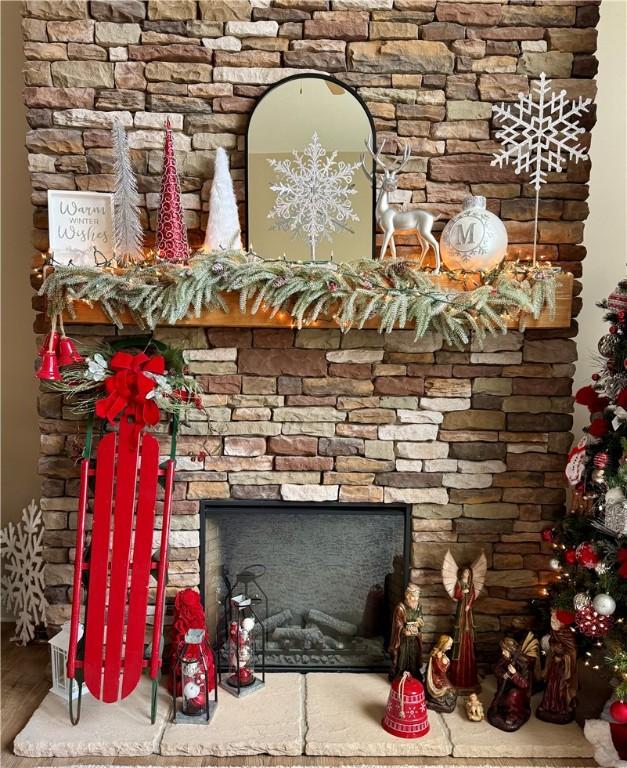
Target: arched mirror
{"type": "Point", "coordinates": [308, 197]}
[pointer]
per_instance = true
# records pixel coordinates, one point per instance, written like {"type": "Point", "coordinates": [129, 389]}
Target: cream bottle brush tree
{"type": "Point", "coordinates": [223, 228]}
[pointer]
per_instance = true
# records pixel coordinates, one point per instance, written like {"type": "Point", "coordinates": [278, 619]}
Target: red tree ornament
{"type": "Point", "coordinates": [172, 242]}
{"type": "Point", "coordinates": [586, 554]}
{"type": "Point", "coordinates": [599, 427]}
{"type": "Point", "coordinates": [592, 624]}
{"type": "Point", "coordinates": [570, 556]}
{"type": "Point", "coordinates": [547, 534]}
{"type": "Point", "coordinates": [618, 711]}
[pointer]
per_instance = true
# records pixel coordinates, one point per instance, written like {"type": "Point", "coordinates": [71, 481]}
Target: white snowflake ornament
{"type": "Point", "coordinates": [313, 194]}
{"type": "Point", "coordinates": [23, 585]}
{"type": "Point", "coordinates": [540, 136]}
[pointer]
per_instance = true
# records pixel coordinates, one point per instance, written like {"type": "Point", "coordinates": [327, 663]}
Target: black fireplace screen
{"type": "Point", "coordinates": [333, 573]}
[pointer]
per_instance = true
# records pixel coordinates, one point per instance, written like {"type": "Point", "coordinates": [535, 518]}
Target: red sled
{"type": "Point", "coordinates": [115, 569]}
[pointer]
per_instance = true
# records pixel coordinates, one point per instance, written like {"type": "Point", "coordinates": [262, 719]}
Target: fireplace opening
{"type": "Point", "coordinates": [327, 577]}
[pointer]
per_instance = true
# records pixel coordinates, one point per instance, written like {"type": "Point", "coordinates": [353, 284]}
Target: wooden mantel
{"type": "Point", "coordinates": [92, 315]}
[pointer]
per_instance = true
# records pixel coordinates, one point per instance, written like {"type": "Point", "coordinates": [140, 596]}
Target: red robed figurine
{"type": "Point", "coordinates": [464, 586]}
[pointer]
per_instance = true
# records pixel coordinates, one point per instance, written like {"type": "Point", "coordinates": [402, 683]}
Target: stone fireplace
{"type": "Point", "coordinates": [325, 576]}
{"type": "Point", "coordinates": [472, 442]}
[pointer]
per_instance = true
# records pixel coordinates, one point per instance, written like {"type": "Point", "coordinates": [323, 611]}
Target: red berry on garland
{"type": "Point", "coordinates": [621, 316]}
{"type": "Point", "coordinates": [586, 554]}
{"type": "Point", "coordinates": [592, 624]}
{"type": "Point", "coordinates": [570, 556]}
{"type": "Point", "coordinates": [613, 329]}
{"type": "Point", "coordinates": [601, 460]}
{"type": "Point", "coordinates": [618, 711]}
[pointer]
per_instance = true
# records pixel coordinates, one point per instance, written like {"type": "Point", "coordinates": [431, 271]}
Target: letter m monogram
{"type": "Point", "coordinates": [463, 236]}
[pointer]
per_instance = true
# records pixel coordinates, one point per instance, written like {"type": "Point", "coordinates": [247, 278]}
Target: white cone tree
{"type": "Point", "coordinates": [223, 230]}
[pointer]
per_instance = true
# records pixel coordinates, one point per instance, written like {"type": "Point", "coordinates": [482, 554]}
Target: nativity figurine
{"type": "Point", "coordinates": [511, 705]}
{"type": "Point", "coordinates": [560, 674]}
{"type": "Point", "coordinates": [474, 708]}
{"type": "Point", "coordinates": [441, 695]}
{"type": "Point", "coordinates": [406, 636]}
{"type": "Point", "coordinates": [464, 585]}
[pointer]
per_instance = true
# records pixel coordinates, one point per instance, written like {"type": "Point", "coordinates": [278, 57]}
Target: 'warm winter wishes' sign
{"type": "Point", "coordinates": [80, 227]}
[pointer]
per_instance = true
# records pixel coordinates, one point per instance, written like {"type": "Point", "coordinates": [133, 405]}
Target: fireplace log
{"type": "Point", "coordinates": [331, 624]}
{"type": "Point", "coordinates": [277, 620]}
{"type": "Point", "coordinates": [304, 638]}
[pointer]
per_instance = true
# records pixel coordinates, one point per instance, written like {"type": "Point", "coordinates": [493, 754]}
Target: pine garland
{"type": "Point", "coordinates": [394, 291]}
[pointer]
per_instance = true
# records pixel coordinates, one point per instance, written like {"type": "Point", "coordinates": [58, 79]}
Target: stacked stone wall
{"type": "Point", "coordinates": [474, 440]}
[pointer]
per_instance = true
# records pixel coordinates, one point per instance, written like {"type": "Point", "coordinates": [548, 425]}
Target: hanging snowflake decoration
{"type": "Point", "coordinates": [540, 136]}
{"type": "Point", "coordinates": [23, 572]}
{"type": "Point", "coordinates": [313, 194]}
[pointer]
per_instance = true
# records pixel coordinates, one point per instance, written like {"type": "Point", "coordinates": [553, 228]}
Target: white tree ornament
{"type": "Point", "coordinates": [23, 572]}
{"type": "Point", "coordinates": [129, 235]}
{"type": "Point", "coordinates": [540, 136]}
{"type": "Point", "coordinates": [313, 194]}
{"type": "Point", "coordinates": [223, 230]}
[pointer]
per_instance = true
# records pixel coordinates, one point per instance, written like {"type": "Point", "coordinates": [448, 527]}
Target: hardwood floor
{"type": "Point", "coordinates": [26, 679]}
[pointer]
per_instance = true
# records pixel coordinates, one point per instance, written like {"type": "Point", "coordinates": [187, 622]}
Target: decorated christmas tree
{"type": "Point", "coordinates": [590, 591]}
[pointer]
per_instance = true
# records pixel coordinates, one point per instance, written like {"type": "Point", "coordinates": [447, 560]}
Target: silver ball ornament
{"type": "Point", "coordinates": [581, 601]}
{"type": "Point", "coordinates": [475, 239]}
{"type": "Point", "coordinates": [604, 604]}
{"type": "Point", "coordinates": [554, 564]}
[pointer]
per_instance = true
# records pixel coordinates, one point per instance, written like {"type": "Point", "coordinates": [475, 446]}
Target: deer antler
{"type": "Point", "coordinates": [376, 156]}
{"type": "Point", "coordinates": [402, 162]}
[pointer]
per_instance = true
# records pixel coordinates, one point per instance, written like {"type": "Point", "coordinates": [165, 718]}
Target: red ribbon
{"type": "Point", "coordinates": [127, 389]}
{"type": "Point", "coordinates": [622, 562]}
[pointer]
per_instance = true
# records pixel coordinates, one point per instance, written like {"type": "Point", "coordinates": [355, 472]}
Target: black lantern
{"type": "Point", "coordinates": [192, 674]}
{"type": "Point", "coordinates": [246, 664]}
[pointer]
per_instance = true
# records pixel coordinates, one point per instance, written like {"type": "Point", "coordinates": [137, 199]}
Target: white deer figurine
{"type": "Point", "coordinates": [391, 220]}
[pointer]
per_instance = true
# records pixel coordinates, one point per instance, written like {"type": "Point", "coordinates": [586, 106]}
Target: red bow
{"type": "Point", "coordinates": [622, 562]}
{"type": "Point", "coordinates": [127, 389]}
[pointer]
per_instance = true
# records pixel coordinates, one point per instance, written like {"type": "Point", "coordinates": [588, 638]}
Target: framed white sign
{"type": "Point", "coordinates": [80, 227]}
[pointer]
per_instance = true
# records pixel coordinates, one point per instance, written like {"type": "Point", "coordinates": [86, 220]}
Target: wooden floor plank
{"type": "Point", "coordinates": [26, 680]}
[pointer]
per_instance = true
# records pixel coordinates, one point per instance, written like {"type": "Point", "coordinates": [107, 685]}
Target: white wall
{"type": "Point", "coordinates": [606, 227]}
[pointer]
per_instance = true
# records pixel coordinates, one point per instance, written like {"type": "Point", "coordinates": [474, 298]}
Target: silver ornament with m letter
{"type": "Point", "coordinates": [475, 240]}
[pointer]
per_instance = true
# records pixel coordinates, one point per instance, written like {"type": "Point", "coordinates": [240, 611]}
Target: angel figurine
{"type": "Point", "coordinates": [464, 586]}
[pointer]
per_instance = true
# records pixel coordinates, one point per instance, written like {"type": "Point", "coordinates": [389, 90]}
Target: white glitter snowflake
{"type": "Point", "coordinates": [313, 194]}
{"type": "Point", "coordinates": [23, 572]}
{"type": "Point", "coordinates": [540, 136]}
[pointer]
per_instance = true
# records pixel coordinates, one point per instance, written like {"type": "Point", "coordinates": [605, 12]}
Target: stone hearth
{"type": "Point", "coordinates": [314, 714]}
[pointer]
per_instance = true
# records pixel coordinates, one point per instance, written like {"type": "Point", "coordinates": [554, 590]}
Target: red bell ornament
{"type": "Point", "coordinates": [49, 368]}
{"type": "Point", "coordinates": [51, 343]}
{"type": "Point", "coordinates": [406, 710]}
{"type": "Point", "coordinates": [68, 354]}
